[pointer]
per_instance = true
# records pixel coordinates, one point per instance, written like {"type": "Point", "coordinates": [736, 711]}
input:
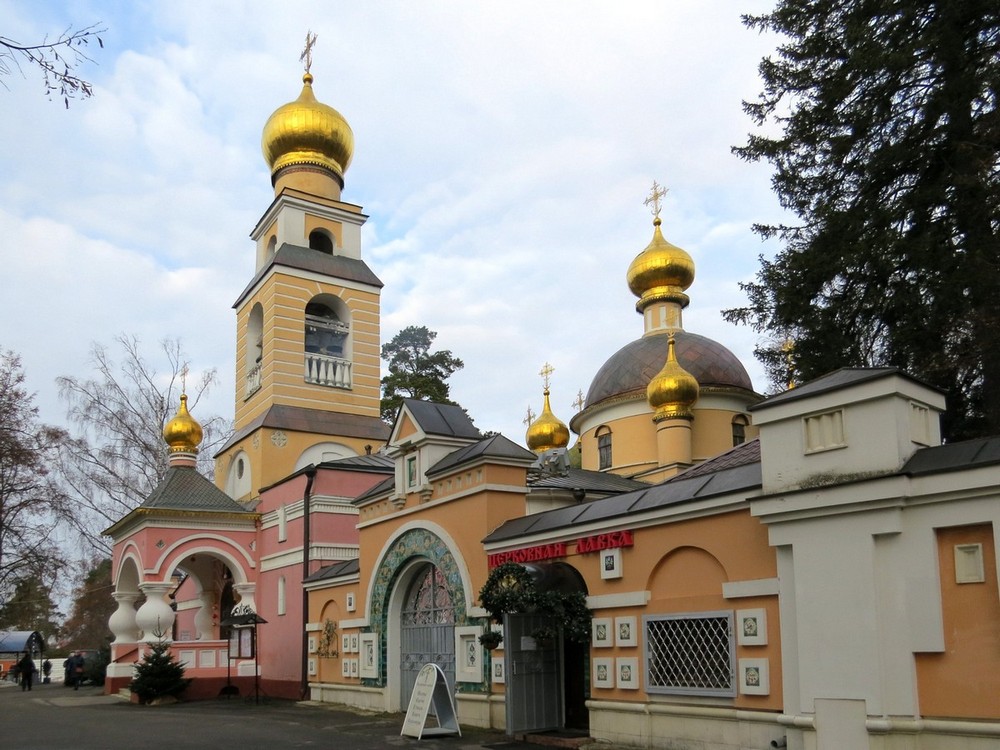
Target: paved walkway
{"type": "Point", "coordinates": [54, 717]}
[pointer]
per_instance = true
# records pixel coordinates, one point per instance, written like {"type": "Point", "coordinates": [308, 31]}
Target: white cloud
{"type": "Point", "coordinates": [503, 153]}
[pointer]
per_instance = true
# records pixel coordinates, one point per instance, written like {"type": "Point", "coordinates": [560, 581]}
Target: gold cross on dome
{"type": "Point", "coordinates": [184, 377]}
{"type": "Point", "coordinates": [545, 372]}
{"type": "Point", "coordinates": [529, 417]}
{"type": "Point", "coordinates": [579, 400]}
{"type": "Point", "coordinates": [655, 198]}
{"type": "Point", "coordinates": [307, 54]}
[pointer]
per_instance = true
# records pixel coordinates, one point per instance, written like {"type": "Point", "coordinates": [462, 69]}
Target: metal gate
{"type": "Point", "coordinates": [534, 700]}
{"type": "Point", "coordinates": [427, 630]}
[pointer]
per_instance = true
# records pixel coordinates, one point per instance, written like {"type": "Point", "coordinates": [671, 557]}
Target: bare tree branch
{"type": "Point", "coordinates": [116, 456]}
{"type": "Point", "coordinates": [57, 60]}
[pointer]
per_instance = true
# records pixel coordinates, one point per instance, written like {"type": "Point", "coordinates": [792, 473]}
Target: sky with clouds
{"type": "Point", "coordinates": [502, 152]}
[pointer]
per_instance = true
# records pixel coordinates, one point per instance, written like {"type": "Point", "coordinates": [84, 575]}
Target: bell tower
{"type": "Point", "coordinates": [307, 324]}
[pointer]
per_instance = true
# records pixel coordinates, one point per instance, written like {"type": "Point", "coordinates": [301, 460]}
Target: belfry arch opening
{"type": "Point", "coordinates": [327, 342]}
{"type": "Point", "coordinates": [321, 241]}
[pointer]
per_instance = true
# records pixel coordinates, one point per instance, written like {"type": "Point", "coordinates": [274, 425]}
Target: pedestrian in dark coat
{"type": "Point", "coordinates": [26, 668]}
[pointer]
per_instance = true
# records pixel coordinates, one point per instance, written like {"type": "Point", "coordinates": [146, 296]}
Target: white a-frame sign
{"type": "Point", "coordinates": [430, 687]}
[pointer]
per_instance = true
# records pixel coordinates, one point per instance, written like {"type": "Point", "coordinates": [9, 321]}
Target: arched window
{"type": "Point", "coordinates": [740, 430]}
{"type": "Point", "coordinates": [428, 600]}
{"type": "Point", "coordinates": [603, 448]}
{"type": "Point", "coordinates": [255, 350]}
{"type": "Point", "coordinates": [320, 240]}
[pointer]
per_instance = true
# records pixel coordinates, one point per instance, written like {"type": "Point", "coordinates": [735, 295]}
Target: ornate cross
{"type": "Point", "coordinates": [579, 403]}
{"type": "Point", "coordinates": [545, 372]}
{"type": "Point", "coordinates": [184, 377]}
{"type": "Point", "coordinates": [655, 196]}
{"type": "Point", "coordinates": [529, 417]}
{"type": "Point", "coordinates": [307, 54]}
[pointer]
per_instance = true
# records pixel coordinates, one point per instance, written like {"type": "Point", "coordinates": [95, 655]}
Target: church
{"type": "Point", "coordinates": [811, 570]}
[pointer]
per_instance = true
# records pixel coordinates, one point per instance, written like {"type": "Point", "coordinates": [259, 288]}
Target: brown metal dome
{"type": "Point", "coordinates": [635, 364]}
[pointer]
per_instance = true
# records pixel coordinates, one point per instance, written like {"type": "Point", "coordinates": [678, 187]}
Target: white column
{"type": "Point", "coordinates": [122, 621]}
{"type": "Point", "coordinates": [246, 592]}
{"type": "Point", "coordinates": [154, 617]}
{"type": "Point", "coordinates": [204, 624]}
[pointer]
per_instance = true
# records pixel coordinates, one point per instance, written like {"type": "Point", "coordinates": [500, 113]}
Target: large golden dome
{"type": "Point", "coordinates": [309, 133]}
{"type": "Point", "coordinates": [183, 433]}
{"type": "Point", "coordinates": [660, 272]}
{"type": "Point", "coordinates": [673, 390]}
{"type": "Point", "coordinates": [547, 432]}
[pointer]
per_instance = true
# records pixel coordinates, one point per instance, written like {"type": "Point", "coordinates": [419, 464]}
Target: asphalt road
{"type": "Point", "coordinates": [53, 717]}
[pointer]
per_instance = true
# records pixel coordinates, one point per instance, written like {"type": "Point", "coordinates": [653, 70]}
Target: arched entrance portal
{"type": "Point", "coordinates": [547, 681]}
{"type": "Point", "coordinates": [427, 628]}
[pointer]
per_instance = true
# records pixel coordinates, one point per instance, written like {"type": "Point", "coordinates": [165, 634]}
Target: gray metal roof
{"type": "Point", "coordinates": [833, 381]}
{"type": "Point", "coordinates": [591, 481]}
{"type": "Point", "coordinates": [378, 462]}
{"type": "Point", "coordinates": [954, 456]}
{"type": "Point", "coordinates": [335, 570]}
{"type": "Point", "coordinates": [307, 259]}
{"type": "Point", "coordinates": [676, 491]}
{"type": "Point", "coordinates": [496, 446]}
{"type": "Point", "coordinates": [183, 488]}
{"type": "Point", "coordinates": [740, 455]}
{"type": "Point", "coordinates": [316, 421]}
{"type": "Point", "coordinates": [448, 420]}
{"type": "Point", "coordinates": [384, 487]}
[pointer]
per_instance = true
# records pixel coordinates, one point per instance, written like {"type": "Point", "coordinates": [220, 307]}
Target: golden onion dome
{"type": "Point", "coordinates": [547, 432]}
{"type": "Point", "coordinates": [183, 433]}
{"type": "Point", "coordinates": [307, 132]}
{"type": "Point", "coordinates": [673, 390]}
{"type": "Point", "coordinates": [660, 272]}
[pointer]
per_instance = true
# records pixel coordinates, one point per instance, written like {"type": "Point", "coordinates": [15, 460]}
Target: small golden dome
{"type": "Point", "coordinates": [547, 432]}
{"type": "Point", "coordinates": [183, 434]}
{"type": "Point", "coordinates": [660, 272]}
{"type": "Point", "coordinates": [307, 132]}
{"type": "Point", "coordinates": [673, 390]}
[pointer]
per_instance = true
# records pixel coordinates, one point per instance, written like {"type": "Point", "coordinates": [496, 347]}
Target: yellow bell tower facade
{"type": "Point", "coordinates": [307, 338]}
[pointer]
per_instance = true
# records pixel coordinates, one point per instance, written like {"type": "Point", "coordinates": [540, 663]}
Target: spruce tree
{"type": "Point", "coordinates": [158, 674]}
{"type": "Point", "coordinates": [880, 120]}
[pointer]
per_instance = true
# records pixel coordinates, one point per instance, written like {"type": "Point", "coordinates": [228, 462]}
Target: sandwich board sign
{"type": "Point", "coordinates": [430, 688]}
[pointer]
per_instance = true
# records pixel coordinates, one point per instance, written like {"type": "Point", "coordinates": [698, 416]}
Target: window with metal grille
{"type": "Point", "coordinates": [690, 654]}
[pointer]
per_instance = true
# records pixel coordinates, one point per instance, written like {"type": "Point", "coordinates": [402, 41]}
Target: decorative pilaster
{"type": "Point", "coordinates": [122, 621]}
{"type": "Point", "coordinates": [155, 618]}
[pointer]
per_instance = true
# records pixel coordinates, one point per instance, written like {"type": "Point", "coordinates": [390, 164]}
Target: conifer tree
{"type": "Point", "coordinates": [158, 674]}
{"type": "Point", "coordinates": [880, 120]}
{"type": "Point", "coordinates": [415, 371]}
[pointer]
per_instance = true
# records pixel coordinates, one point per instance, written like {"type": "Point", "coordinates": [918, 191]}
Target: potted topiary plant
{"type": "Point", "coordinates": [490, 639]}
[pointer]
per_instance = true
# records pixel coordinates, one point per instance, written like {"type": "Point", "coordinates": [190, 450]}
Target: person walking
{"type": "Point", "coordinates": [27, 669]}
{"type": "Point", "coordinates": [74, 666]}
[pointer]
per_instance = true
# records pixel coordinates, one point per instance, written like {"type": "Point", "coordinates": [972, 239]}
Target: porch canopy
{"type": "Point", "coordinates": [19, 641]}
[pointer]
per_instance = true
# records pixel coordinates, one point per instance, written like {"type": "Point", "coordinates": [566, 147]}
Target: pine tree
{"type": "Point", "coordinates": [158, 674]}
{"type": "Point", "coordinates": [887, 156]}
{"type": "Point", "coordinates": [415, 371]}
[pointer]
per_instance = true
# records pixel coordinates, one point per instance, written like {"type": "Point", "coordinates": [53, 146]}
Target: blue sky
{"type": "Point", "coordinates": [503, 153]}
